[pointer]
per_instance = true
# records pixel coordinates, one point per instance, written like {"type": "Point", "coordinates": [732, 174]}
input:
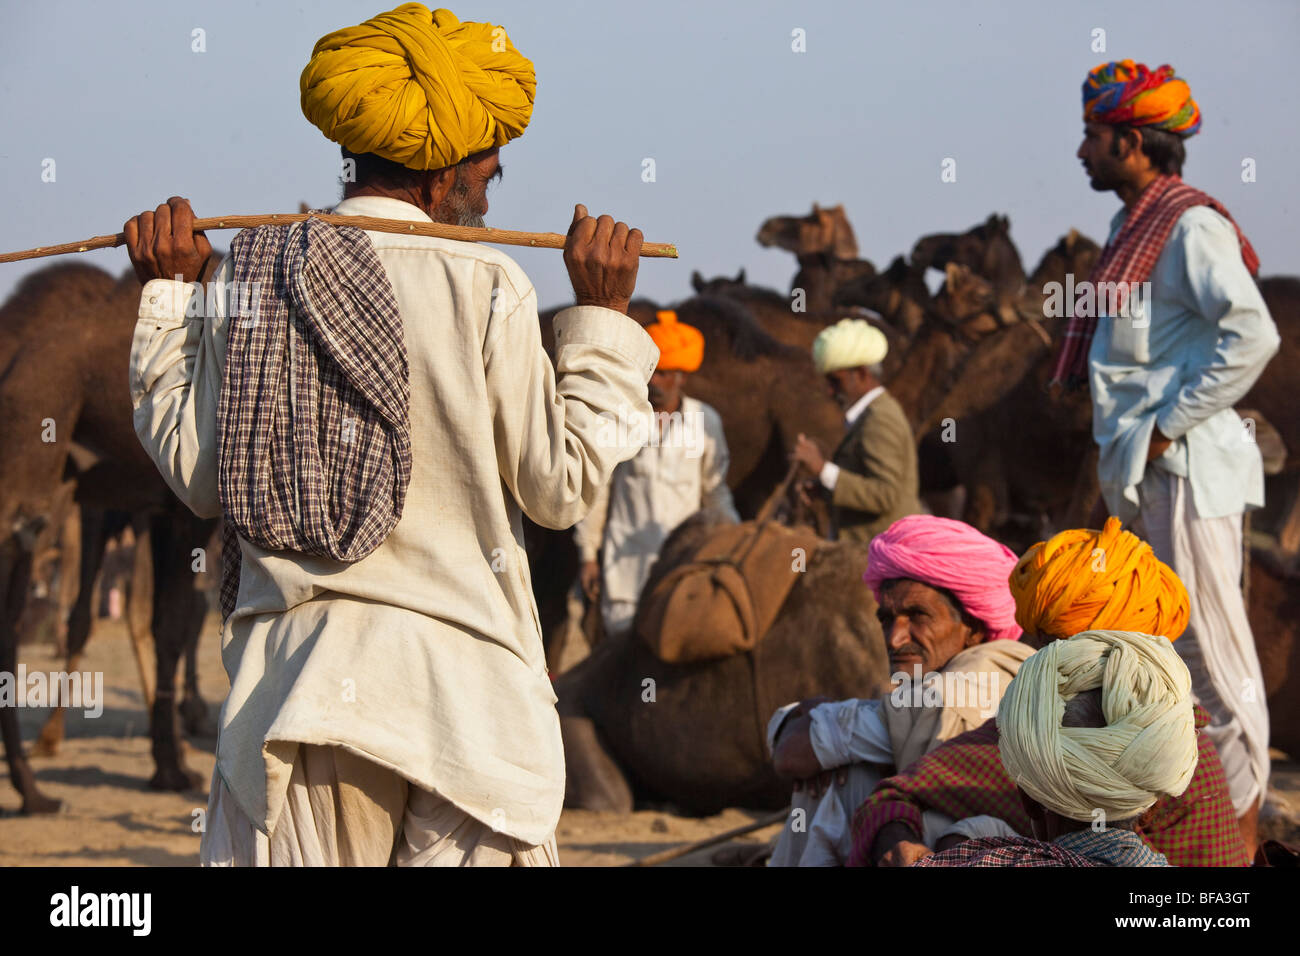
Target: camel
{"type": "Point", "coordinates": [899, 295]}
{"type": "Point", "coordinates": [826, 249]}
{"type": "Point", "coordinates": [693, 735]}
{"type": "Point", "coordinates": [986, 249]}
{"type": "Point", "coordinates": [65, 426]}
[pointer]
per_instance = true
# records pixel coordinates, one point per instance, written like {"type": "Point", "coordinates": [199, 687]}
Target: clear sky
{"type": "Point", "coordinates": [739, 125]}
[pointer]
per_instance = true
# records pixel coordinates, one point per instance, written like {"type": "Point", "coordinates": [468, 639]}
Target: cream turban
{"type": "Point", "coordinates": [1147, 748]}
{"type": "Point", "coordinates": [419, 88]}
{"type": "Point", "coordinates": [847, 344]}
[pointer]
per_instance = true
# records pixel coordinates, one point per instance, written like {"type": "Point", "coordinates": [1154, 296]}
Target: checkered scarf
{"type": "Point", "coordinates": [964, 777]}
{"type": "Point", "coordinates": [1130, 257]}
{"type": "Point", "coordinates": [1104, 847]}
{"type": "Point", "coordinates": [313, 424]}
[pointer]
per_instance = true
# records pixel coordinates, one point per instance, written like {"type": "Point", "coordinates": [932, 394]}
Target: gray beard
{"type": "Point", "coordinates": [465, 216]}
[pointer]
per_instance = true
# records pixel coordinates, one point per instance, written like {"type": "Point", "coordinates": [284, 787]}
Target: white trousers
{"type": "Point", "coordinates": [1218, 646]}
{"type": "Point", "coordinates": [343, 810]}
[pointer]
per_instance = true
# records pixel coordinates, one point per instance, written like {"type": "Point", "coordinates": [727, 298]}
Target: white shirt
{"type": "Point", "coordinates": [424, 657]}
{"type": "Point", "coordinates": [1208, 338]}
{"type": "Point", "coordinates": [674, 475]}
{"type": "Point", "coordinates": [830, 472]}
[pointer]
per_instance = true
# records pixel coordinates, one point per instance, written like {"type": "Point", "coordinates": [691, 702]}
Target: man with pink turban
{"type": "Point", "coordinates": [950, 631]}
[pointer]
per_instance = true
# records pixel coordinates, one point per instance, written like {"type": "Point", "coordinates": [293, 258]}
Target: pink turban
{"type": "Point", "coordinates": [952, 555]}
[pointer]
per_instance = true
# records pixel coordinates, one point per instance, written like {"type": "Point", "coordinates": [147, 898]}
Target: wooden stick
{"type": "Point", "coordinates": [681, 851]}
{"type": "Point", "coordinates": [505, 237]}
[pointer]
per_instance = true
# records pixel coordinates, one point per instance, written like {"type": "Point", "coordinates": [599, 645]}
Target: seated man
{"type": "Point", "coordinates": [1093, 730]}
{"type": "Point", "coordinates": [949, 626]}
{"type": "Point", "coordinates": [1079, 580]}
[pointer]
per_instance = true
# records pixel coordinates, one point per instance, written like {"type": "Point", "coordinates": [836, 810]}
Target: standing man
{"type": "Point", "coordinates": [681, 469]}
{"type": "Point", "coordinates": [872, 476]}
{"type": "Point", "coordinates": [373, 432]}
{"type": "Point", "coordinates": [1165, 371]}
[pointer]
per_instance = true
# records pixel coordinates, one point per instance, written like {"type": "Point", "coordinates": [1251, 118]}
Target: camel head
{"type": "Point", "coordinates": [1074, 253]}
{"type": "Point", "coordinates": [987, 249]}
{"type": "Point", "coordinates": [718, 285]}
{"type": "Point", "coordinates": [967, 301]}
{"type": "Point", "coordinates": [821, 232]}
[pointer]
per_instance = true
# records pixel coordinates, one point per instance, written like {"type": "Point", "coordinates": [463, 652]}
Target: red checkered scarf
{"type": "Point", "coordinates": [1006, 851]}
{"type": "Point", "coordinates": [313, 423]}
{"type": "Point", "coordinates": [964, 777]}
{"type": "Point", "coordinates": [1130, 257]}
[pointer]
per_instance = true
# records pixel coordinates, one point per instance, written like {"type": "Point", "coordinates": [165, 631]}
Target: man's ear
{"type": "Point", "coordinates": [437, 185]}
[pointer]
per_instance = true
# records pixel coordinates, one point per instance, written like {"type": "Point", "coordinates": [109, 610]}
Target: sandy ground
{"type": "Point", "coordinates": [111, 818]}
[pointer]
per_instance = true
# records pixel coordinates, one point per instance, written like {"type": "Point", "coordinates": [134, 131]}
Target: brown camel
{"type": "Point", "coordinates": [67, 334]}
{"type": "Point", "coordinates": [899, 295]}
{"type": "Point", "coordinates": [694, 735]}
{"type": "Point", "coordinates": [796, 329]}
{"type": "Point", "coordinates": [986, 249]}
{"type": "Point", "coordinates": [826, 249]}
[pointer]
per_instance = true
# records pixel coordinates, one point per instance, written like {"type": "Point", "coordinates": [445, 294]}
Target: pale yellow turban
{"type": "Point", "coordinates": [1147, 748]}
{"type": "Point", "coordinates": [419, 88]}
{"type": "Point", "coordinates": [847, 344]}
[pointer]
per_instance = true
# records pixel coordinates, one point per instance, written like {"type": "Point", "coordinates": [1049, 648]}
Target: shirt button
{"type": "Point", "coordinates": [153, 300]}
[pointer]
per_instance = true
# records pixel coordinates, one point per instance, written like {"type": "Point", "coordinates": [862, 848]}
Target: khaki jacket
{"type": "Point", "coordinates": [878, 482]}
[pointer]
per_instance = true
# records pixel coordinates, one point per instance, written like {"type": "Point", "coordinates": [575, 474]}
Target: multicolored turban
{"type": "Point", "coordinates": [1147, 748]}
{"type": "Point", "coordinates": [847, 344]}
{"type": "Point", "coordinates": [681, 346]}
{"type": "Point", "coordinates": [1126, 92]}
{"type": "Point", "coordinates": [1082, 580]}
{"type": "Point", "coordinates": [949, 554]}
{"type": "Point", "coordinates": [418, 88]}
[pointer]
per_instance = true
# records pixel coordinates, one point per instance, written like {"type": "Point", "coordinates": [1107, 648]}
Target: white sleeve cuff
{"type": "Point", "coordinates": [829, 474]}
{"type": "Point", "coordinates": [774, 725]}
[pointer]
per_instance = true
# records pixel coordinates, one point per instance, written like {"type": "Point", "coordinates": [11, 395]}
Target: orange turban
{"type": "Point", "coordinates": [1084, 580]}
{"type": "Point", "coordinates": [681, 346]}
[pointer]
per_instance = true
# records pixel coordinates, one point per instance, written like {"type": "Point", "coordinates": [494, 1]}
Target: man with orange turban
{"type": "Point", "coordinates": [871, 477]}
{"type": "Point", "coordinates": [389, 699]}
{"type": "Point", "coordinates": [1108, 580]}
{"type": "Point", "coordinates": [1170, 332]}
{"type": "Point", "coordinates": [681, 469]}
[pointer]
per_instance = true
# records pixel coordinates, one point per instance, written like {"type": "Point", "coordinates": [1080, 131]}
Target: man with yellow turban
{"type": "Point", "coordinates": [1170, 331]}
{"type": "Point", "coordinates": [1093, 730]}
{"type": "Point", "coordinates": [1079, 580]}
{"type": "Point", "coordinates": [374, 439]}
{"type": "Point", "coordinates": [681, 469]}
{"type": "Point", "coordinates": [871, 477]}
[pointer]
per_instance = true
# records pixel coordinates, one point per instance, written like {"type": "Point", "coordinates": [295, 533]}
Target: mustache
{"type": "Point", "coordinates": [907, 650]}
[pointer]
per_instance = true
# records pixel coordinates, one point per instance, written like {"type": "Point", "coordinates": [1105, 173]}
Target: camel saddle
{"type": "Point", "coordinates": [723, 599]}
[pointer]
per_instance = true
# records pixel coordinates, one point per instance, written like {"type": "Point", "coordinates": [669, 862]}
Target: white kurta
{"type": "Point", "coordinates": [869, 736]}
{"type": "Point", "coordinates": [677, 473]}
{"type": "Point", "coordinates": [426, 656]}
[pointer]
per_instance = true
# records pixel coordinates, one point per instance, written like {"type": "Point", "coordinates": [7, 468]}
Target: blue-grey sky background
{"type": "Point", "coordinates": [740, 126]}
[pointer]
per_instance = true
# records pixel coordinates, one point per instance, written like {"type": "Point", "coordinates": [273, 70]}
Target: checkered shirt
{"type": "Point", "coordinates": [964, 777]}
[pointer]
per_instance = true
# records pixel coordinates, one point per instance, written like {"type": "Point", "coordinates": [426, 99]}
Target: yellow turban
{"type": "Point", "coordinates": [419, 88]}
{"type": "Point", "coordinates": [1147, 748]}
{"type": "Point", "coordinates": [681, 346]}
{"type": "Point", "coordinates": [847, 344]}
{"type": "Point", "coordinates": [1109, 579]}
